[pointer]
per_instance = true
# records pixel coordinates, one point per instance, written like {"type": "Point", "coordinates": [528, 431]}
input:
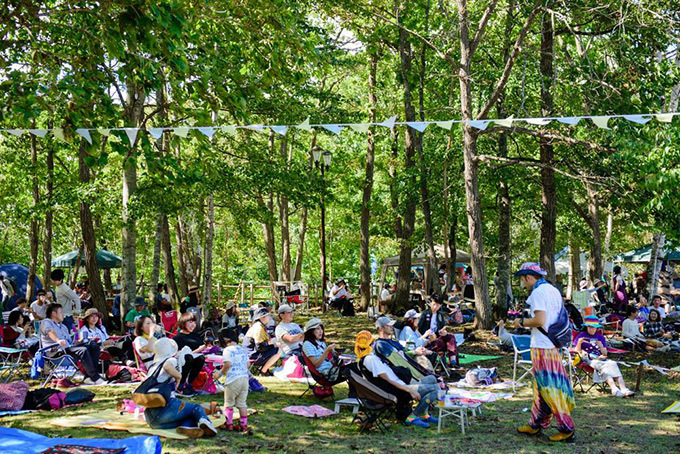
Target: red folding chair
{"type": "Point", "coordinates": [322, 387]}
{"type": "Point", "coordinates": [169, 320]}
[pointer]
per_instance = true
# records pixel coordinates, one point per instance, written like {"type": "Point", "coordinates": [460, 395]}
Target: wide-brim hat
{"type": "Point", "coordinates": [592, 321]}
{"type": "Point", "coordinates": [531, 268]}
{"type": "Point", "coordinates": [193, 288]}
{"type": "Point", "coordinates": [313, 323]}
{"type": "Point", "coordinates": [163, 349]}
{"type": "Point", "coordinates": [230, 304]}
{"type": "Point", "coordinates": [91, 311]}
{"type": "Point", "coordinates": [260, 313]}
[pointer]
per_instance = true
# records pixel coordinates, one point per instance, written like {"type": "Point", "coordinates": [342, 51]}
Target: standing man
{"type": "Point", "coordinates": [66, 297]}
{"type": "Point", "coordinates": [553, 393]}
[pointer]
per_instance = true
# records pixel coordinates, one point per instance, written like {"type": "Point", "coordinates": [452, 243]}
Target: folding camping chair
{"type": "Point", "coordinates": [10, 361]}
{"type": "Point", "coordinates": [375, 404]}
{"type": "Point", "coordinates": [58, 364]}
{"type": "Point", "coordinates": [522, 358]}
{"type": "Point", "coordinates": [583, 375]}
{"type": "Point", "coordinates": [319, 380]}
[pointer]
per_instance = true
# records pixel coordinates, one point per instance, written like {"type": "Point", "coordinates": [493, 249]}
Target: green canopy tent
{"type": "Point", "coordinates": [105, 260]}
{"type": "Point", "coordinates": [644, 254]}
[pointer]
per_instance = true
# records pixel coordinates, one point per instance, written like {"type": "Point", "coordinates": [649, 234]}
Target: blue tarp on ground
{"type": "Point", "coordinates": [18, 274]}
{"type": "Point", "coordinates": [15, 441]}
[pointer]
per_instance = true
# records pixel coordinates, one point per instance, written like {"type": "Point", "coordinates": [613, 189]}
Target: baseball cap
{"type": "Point", "coordinates": [285, 308]}
{"type": "Point", "coordinates": [411, 313]}
{"type": "Point", "coordinates": [384, 321]}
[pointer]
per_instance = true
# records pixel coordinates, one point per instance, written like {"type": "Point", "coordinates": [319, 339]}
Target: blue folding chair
{"type": "Point", "coordinates": [522, 349]}
{"type": "Point", "coordinates": [10, 360]}
{"type": "Point", "coordinates": [58, 364]}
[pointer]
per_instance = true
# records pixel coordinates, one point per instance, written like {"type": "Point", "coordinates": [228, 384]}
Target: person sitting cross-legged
{"type": "Point", "coordinates": [53, 333]}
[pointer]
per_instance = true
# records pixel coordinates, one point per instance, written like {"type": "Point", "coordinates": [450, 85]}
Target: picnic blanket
{"type": "Point", "coordinates": [482, 396]}
{"type": "Point", "coordinates": [15, 441]}
{"type": "Point", "coordinates": [501, 385]}
{"type": "Point", "coordinates": [113, 420]}
{"type": "Point", "coordinates": [14, 412]}
{"type": "Point", "coordinates": [467, 358]}
{"type": "Point", "coordinates": [312, 411]}
{"type": "Point", "coordinates": [674, 408]}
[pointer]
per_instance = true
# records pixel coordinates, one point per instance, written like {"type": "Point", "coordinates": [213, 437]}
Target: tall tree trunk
{"type": "Point", "coordinates": [89, 242]}
{"type": "Point", "coordinates": [303, 218]}
{"type": "Point", "coordinates": [365, 256]}
{"type": "Point", "coordinates": [76, 267]}
{"type": "Point", "coordinates": [607, 235]}
{"type": "Point", "coordinates": [548, 192]}
{"type": "Point", "coordinates": [574, 266]}
{"type": "Point", "coordinates": [595, 259]}
{"type": "Point", "coordinates": [654, 267]}
{"type": "Point", "coordinates": [133, 116]}
{"type": "Point", "coordinates": [411, 144]}
{"type": "Point", "coordinates": [156, 263]}
{"type": "Point", "coordinates": [47, 245]}
{"type": "Point", "coordinates": [34, 236]}
{"type": "Point", "coordinates": [270, 245]}
{"type": "Point", "coordinates": [166, 248]}
{"type": "Point", "coordinates": [483, 317]}
{"type": "Point", "coordinates": [208, 252]}
{"type": "Point", "coordinates": [182, 258]}
{"type": "Point", "coordinates": [283, 216]}
{"type": "Point", "coordinates": [448, 233]}
{"type": "Point", "coordinates": [504, 239]}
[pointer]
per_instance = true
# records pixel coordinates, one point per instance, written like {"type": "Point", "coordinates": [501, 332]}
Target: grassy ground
{"type": "Point", "coordinates": [604, 424]}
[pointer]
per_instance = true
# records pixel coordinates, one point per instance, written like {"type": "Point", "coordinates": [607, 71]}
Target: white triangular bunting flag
{"type": "Point", "coordinates": [335, 129]}
{"type": "Point", "coordinates": [304, 125]}
{"type": "Point", "coordinates": [85, 134]}
{"type": "Point", "coordinates": [229, 129]}
{"type": "Point", "coordinates": [281, 130]}
{"type": "Point", "coordinates": [664, 118]}
{"type": "Point", "coordinates": [16, 132]}
{"type": "Point", "coordinates": [507, 122]}
{"type": "Point", "coordinates": [156, 133]}
{"type": "Point", "coordinates": [360, 127]}
{"type": "Point", "coordinates": [600, 122]}
{"type": "Point", "coordinates": [255, 127]}
{"type": "Point", "coordinates": [207, 131]}
{"type": "Point", "coordinates": [389, 123]}
{"type": "Point", "coordinates": [444, 124]}
{"type": "Point", "coordinates": [104, 132]}
{"type": "Point", "coordinates": [58, 133]}
{"type": "Point", "coordinates": [639, 119]}
{"type": "Point", "coordinates": [132, 134]}
{"type": "Point", "coordinates": [418, 125]}
{"type": "Point", "coordinates": [38, 132]}
{"type": "Point", "coordinates": [181, 131]}
{"type": "Point", "coordinates": [569, 120]}
{"type": "Point", "coordinates": [479, 124]}
{"type": "Point", "coordinates": [538, 121]}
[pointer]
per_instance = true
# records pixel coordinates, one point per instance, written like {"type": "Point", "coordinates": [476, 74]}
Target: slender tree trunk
{"type": "Point", "coordinates": [35, 232]}
{"type": "Point", "coordinates": [549, 194]}
{"type": "Point", "coordinates": [411, 144]}
{"type": "Point", "coordinates": [133, 116]}
{"type": "Point", "coordinates": [208, 252]}
{"type": "Point", "coordinates": [483, 317]}
{"type": "Point", "coordinates": [283, 216]}
{"type": "Point", "coordinates": [607, 235]}
{"type": "Point", "coordinates": [595, 259]}
{"type": "Point", "coordinates": [89, 242]}
{"type": "Point", "coordinates": [47, 245]}
{"type": "Point", "coordinates": [365, 257]}
{"type": "Point", "coordinates": [76, 267]}
{"type": "Point", "coordinates": [574, 265]}
{"type": "Point", "coordinates": [303, 220]}
{"type": "Point", "coordinates": [655, 264]}
{"type": "Point", "coordinates": [156, 264]}
{"type": "Point", "coordinates": [182, 259]}
{"type": "Point", "coordinates": [504, 239]}
{"type": "Point", "coordinates": [166, 248]}
{"type": "Point", "coordinates": [270, 245]}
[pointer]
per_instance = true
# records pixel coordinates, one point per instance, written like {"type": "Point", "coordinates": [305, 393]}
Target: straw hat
{"type": "Point", "coordinates": [91, 311]}
{"type": "Point", "coordinates": [313, 323]}
{"type": "Point", "coordinates": [230, 304]}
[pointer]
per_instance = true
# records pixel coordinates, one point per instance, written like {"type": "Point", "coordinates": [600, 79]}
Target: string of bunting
{"type": "Point", "coordinates": [601, 121]}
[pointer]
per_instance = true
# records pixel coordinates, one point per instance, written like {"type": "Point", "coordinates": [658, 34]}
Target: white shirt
{"type": "Point", "coordinates": [6, 288]}
{"type": "Point", "coordinates": [288, 328]}
{"type": "Point", "coordinates": [237, 356]}
{"type": "Point", "coordinates": [384, 294]}
{"type": "Point", "coordinates": [163, 376]}
{"type": "Point", "coordinates": [139, 342]}
{"type": "Point", "coordinates": [630, 329]}
{"type": "Point", "coordinates": [661, 310]}
{"type": "Point", "coordinates": [544, 298]}
{"type": "Point", "coordinates": [376, 367]}
{"type": "Point", "coordinates": [337, 292]}
{"type": "Point", "coordinates": [41, 310]}
{"type": "Point", "coordinates": [69, 300]}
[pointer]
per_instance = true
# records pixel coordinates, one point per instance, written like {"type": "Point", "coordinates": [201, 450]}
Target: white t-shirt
{"type": "Point", "coordinates": [630, 329]}
{"type": "Point", "coordinates": [163, 376]}
{"type": "Point", "coordinates": [545, 298]}
{"type": "Point", "coordinates": [661, 310]}
{"type": "Point", "coordinates": [38, 309]}
{"type": "Point", "coordinates": [139, 342]}
{"type": "Point", "coordinates": [288, 328]}
{"type": "Point", "coordinates": [337, 292]}
{"type": "Point", "coordinates": [238, 357]}
{"type": "Point", "coordinates": [376, 367]}
{"type": "Point", "coordinates": [384, 294]}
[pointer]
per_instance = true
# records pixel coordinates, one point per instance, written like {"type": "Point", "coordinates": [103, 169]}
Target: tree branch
{"type": "Point", "coordinates": [500, 85]}
{"type": "Point", "coordinates": [527, 162]}
{"type": "Point", "coordinates": [551, 135]}
{"type": "Point", "coordinates": [482, 26]}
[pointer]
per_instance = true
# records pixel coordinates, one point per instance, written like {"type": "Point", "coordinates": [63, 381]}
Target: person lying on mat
{"type": "Point", "coordinates": [53, 333]}
{"type": "Point", "coordinates": [592, 348]}
{"type": "Point", "coordinates": [188, 418]}
{"type": "Point", "coordinates": [322, 356]}
{"type": "Point", "coordinates": [261, 348]}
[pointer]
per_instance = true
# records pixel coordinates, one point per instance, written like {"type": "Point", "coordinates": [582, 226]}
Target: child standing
{"type": "Point", "coordinates": [235, 371]}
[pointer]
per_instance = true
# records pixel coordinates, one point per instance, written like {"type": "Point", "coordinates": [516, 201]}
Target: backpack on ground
{"type": "Point", "coordinates": [44, 399]}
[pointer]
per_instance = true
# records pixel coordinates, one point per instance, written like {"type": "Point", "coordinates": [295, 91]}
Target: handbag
{"type": "Point", "coordinates": [151, 394]}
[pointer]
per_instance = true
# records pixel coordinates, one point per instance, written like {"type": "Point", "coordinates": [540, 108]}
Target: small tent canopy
{"type": "Point", "coordinates": [105, 260]}
{"type": "Point", "coordinates": [644, 254]}
{"type": "Point", "coordinates": [18, 274]}
{"type": "Point", "coordinates": [562, 264]}
{"type": "Point", "coordinates": [419, 257]}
